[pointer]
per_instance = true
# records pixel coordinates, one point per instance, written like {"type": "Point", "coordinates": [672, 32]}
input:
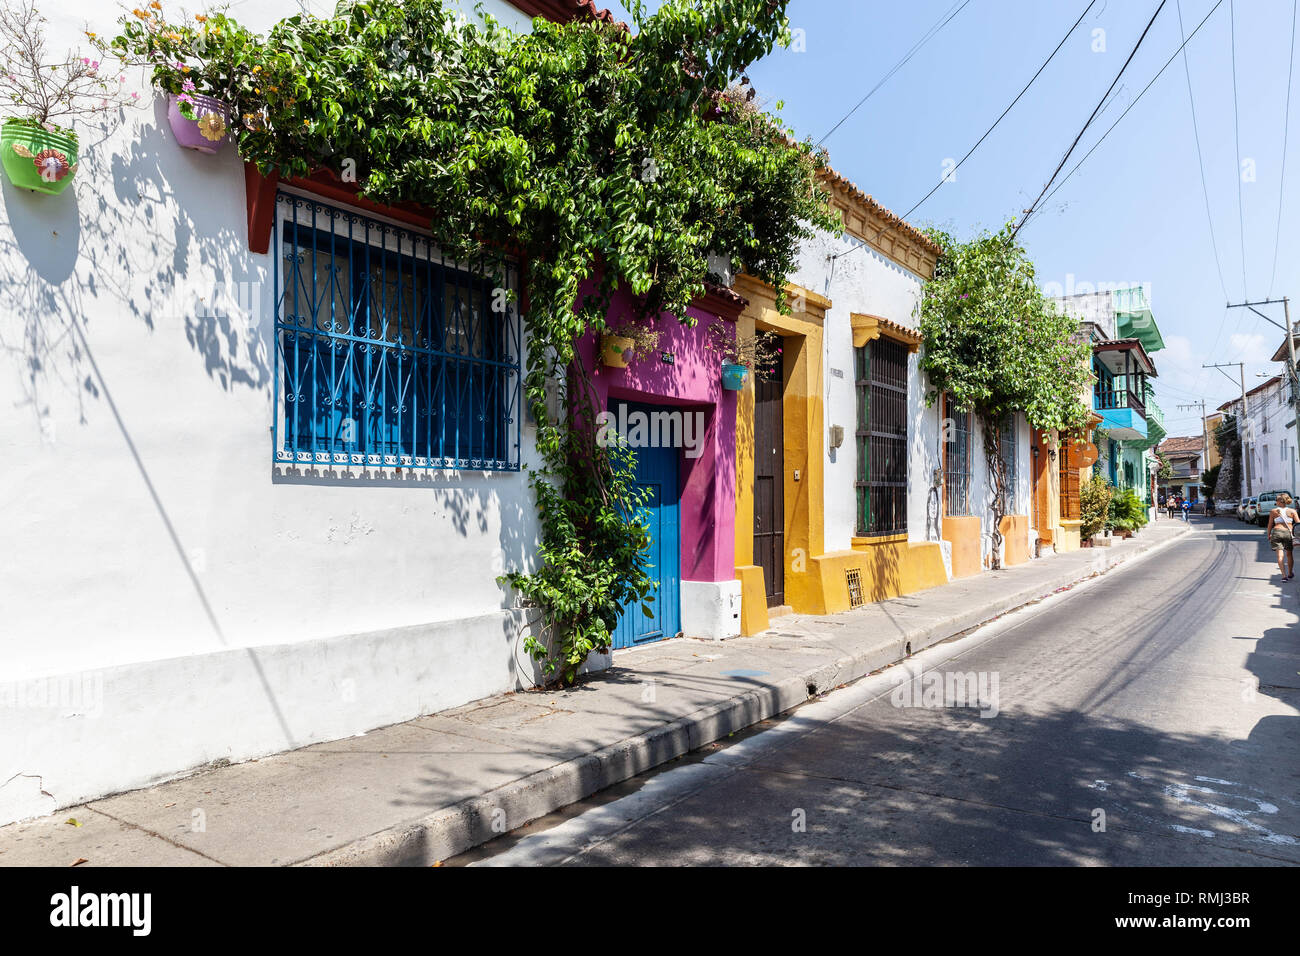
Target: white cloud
{"type": "Point", "coordinates": [1254, 347]}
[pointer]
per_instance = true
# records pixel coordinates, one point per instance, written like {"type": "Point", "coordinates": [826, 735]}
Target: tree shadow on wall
{"type": "Point", "coordinates": [119, 240]}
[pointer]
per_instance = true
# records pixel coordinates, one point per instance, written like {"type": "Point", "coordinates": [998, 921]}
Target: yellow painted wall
{"type": "Point", "coordinates": [815, 582]}
{"type": "Point", "coordinates": [886, 569]}
{"type": "Point", "coordinates": [804, 448]}
{"type": "Point", "coordinates": [1068, 539]}
{"type": "Point", "coordinates": [753, 598]}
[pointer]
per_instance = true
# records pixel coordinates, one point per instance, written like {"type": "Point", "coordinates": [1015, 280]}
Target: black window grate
{"type": "Point", "coordinates": [881, 485]}
{"type": "Point", "coordinates": [1007, 447]}
{"type": "Point", "coordinates": [957, 465]}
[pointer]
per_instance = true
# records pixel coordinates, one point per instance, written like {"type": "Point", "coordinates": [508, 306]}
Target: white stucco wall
{"type": "Point", "coordinates": [982, 485]}
{"type": "Point", "coordinates": [867, 283]}
{"type": "Point", "coordinates": [1095, 307]}
{"type": "Point", "coordinates": [145, 526]}
{"type": "Point", "coordinates": [1270, 460]}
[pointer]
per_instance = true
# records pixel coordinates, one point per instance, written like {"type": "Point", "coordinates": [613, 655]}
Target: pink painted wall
{"type": "Point", "coordinates": [694, 381]}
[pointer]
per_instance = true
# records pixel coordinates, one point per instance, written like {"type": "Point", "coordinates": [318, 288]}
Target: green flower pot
{"type": "Point", "coordinates": [37, 159]}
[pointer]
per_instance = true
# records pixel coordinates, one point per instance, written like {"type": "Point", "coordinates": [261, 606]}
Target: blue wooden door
{"type": "Point", "coordinates": [656, 471]}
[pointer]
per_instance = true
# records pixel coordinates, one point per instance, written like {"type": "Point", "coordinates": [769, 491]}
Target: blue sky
{"type": "Point", "coordinates": [1135, 211]}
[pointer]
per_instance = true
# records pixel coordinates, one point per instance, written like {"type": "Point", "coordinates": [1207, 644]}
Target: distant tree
{"type": "Point", "coordinates": [1210, 480]}
{"type": "Point", "coordinates": [1166, 467]}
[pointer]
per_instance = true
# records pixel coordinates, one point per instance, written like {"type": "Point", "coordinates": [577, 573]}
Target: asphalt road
{"type": "Point", "coordinates": [1149, 717]}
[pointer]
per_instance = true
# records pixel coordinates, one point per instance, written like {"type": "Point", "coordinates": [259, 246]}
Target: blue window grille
{"type": "Point", "coordinates": [387, 353]}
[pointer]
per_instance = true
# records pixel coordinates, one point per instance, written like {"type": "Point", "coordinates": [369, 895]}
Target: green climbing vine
{"type": "Point", "coordinates": [996, 346]}
{"type": "Point", "coordinates": [604, 158]}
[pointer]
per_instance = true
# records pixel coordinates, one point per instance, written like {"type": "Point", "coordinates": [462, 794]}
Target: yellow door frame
{"type": "Point", "coordinates": [802, 391]}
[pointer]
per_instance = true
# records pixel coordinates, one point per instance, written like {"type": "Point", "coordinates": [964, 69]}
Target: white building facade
{"type": "Point", "coordinates": [190, 578]}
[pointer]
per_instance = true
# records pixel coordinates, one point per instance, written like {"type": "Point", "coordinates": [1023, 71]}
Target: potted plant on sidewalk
{"type": "Point", "coordinates": [1094, 511]}
{"type": "Point", "coordinates": [37, 153]}
{"type": "Point", "coordinates": [199, 93]}
{"type": "Point", "coordinates": [1127, 513]}
{"type": "Point", "coordinates": [740, 353]}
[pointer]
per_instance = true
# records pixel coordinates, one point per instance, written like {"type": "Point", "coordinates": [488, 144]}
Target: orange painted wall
{"type": "Point", "coordinates": [1015, 539]}
{"type": "Point", "coordinates": [963, 533]}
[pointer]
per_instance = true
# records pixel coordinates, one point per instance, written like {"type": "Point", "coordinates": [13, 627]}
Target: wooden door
{"type": "Point", "coordinates": [769, 486]}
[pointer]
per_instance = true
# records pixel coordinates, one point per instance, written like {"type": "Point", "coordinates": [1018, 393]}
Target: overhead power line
{"type": "Point", "coordinates": [1097, 109]}
{"type": "Point", "coordinates": [1286, 126]}
{"type": "Point", "coordinates": [987, 132]}
{"type": "Point", "coordinates": [1121, 116]}
{"type": "Point", "coordinates": [1236, 134]}
{"type": "Point", "coordinates": [1205, 189]}
{"type": "Point", "coordinates": [938, 25]}
{"type": "Point", "coordinates": [1200, 156]}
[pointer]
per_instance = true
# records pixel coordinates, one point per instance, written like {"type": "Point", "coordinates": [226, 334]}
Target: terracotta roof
{"type": "Point", "coordinates": [562, 11]}
{"type": "Point", "coordinates": [1281, 354]}
{"type": "Point", "coordinates": [1191, 445]}
{"type": "Point", "coordinates": [894, 220]}
{"type": "Point", "coordinates": [724, 294]}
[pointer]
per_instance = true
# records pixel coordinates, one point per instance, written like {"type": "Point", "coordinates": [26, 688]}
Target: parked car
{"type": "Point", "coordinates": [1265, 504]}
{"type": "Point", "coordinates": [1250, 509]}
{"type": "Point", "coordinates": [1229, 506]}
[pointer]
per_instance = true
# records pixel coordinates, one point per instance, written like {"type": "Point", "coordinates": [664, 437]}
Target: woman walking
{"type": "Point", "coordinates": [1281, 534]}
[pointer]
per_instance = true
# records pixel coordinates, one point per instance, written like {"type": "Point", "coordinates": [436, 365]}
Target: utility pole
{"type": "Point", "coordinates": [1291, 379]}
{"type": "Point", "coordinates": [1205, 436]}
{"type": "Point", "coordinates": [1245, 409]}
{"type": "Point", "coordinates": [1288, 329]}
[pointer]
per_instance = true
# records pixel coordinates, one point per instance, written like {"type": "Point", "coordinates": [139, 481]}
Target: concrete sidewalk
{"type": "Point", "coordinates": [423, 791]}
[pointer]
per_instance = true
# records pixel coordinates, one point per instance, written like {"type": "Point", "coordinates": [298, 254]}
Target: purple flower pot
{"type": "Point", "coordinates": [208, 131]}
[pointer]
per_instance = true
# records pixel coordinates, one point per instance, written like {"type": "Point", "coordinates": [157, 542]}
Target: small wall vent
{"type": "Point", "coordinates": [853, 576]}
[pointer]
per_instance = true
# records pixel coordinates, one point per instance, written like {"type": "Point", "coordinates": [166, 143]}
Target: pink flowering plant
{"type": "Point", "coordinates": [760, 352]}
{"type": "Point", "coordinates": [44, 89]}
{"type": "Point", "coordinates": [204, 55]}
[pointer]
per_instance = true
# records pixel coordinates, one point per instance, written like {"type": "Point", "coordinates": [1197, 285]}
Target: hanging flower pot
{"type": "Point", "coordinates": [734, 376]}
{"type": "Point", "coordinates": [208, 131]}
{"type": "Point", "coordinates": [615, 350]}
{"type": "Point", "coordinates": [35, 158]}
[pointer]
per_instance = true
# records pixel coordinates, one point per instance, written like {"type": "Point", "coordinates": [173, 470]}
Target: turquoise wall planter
{"type": "Point", "coordinates": [733, 377]}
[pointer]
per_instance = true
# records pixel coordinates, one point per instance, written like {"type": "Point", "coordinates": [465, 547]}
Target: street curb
{"type": "Point", "coordinates": [453, 830]}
